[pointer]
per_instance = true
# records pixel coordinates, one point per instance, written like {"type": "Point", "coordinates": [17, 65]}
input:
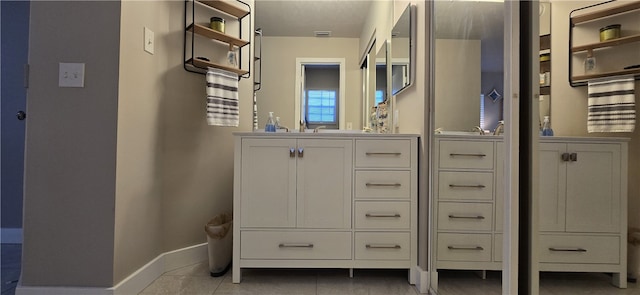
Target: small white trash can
{"type": "Point", "coordinates": [219, 237]}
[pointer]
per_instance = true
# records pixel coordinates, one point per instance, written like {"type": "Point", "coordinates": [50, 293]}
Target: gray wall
{"type": "Point", "coordinates": [71, 146]}
{"type": "Point", "coordinates": [15, 42]}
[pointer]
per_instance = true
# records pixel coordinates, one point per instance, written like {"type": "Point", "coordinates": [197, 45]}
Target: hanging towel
{"type": "Point", "coordinates": [612, 105]}
{"type": "Point", "coordinates": [222, 98]}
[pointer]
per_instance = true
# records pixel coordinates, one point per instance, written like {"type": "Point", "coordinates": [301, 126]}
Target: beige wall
{"type": "Point", "coordinates": [279, 68]}
{"type": "Point", "coordinates": [569, 106]}
{"type": "Point", "coordinates": [70, 160]}
{"type": "Point", "coordinates": [125, 168]}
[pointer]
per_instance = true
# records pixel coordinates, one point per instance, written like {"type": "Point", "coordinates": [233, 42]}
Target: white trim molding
{"type": "Point", "coordinates": [134, 283]}
{"type": "Point", "coordinates": [11, 235]}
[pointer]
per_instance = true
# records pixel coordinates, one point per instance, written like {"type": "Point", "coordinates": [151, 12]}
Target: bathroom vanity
{"type": "Point", "coordinates": [325, 200]}
{"type": "Point", "coordinates": [582, 203]}
{"type": "Point", "coordinates": [467, 202]}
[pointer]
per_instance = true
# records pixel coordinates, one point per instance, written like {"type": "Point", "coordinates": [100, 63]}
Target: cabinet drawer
{"type": "Point", "coordinates": [383, 246]}
{"type": "Point", "coordinates": [579, 249]}
{"type": "Point", "coordinates": [466, 154]}
{"type": "Point", "coordinates": [383, 215]}
{"type": "Point", "coordinates": [465, 186]}
{"type": "Point", "coordinates": [392, 153]}
{"type": "Point", "coordinates": [464, 247]}
{"type": "Point", "coordinates": [295, 245]}
{"type": "Point", "coordinates": [383, 184]}
{"type": "Point", "coordinates": [465, 216]}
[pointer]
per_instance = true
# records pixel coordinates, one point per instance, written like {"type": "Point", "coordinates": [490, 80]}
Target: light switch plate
{"type": "Point", "coordinates": [71, 75]}
{"type": "Point", "coordinates": [149, 41]}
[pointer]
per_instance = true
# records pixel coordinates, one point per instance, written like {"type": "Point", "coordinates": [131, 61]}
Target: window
{"type": "Point", "coordinates": [379, 96]}
{"type": "Point", "coordinates": [321, 106]}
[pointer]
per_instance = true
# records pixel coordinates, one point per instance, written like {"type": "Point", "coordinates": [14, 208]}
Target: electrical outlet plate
{"type": "Point", "coordinates": [149, 42]}
{"type": "Point", "coordinates": [71, 75]}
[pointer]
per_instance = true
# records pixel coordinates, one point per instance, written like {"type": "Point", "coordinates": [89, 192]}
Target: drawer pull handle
{"type": "Point", "coordinates": [468, 185]}
{"type": "Point", "coordinates": [372, 246]}
{"type": "Point", "coordinates": [383, 184]}
{"type": "Point", "coordinates": [567, 249]}
{"type": "Point", "coordinates": [467, 155]}
{"type": "Point", "coordinates": [392, 215]}
{"type": "Point", "coordinates": [382, 154]}
{"type": "Point", "coordinates": [292, 245]}
{"type": "Point", "coordinates": [466, 217]}
{"type": "Point", "coordinates": [476, 248]}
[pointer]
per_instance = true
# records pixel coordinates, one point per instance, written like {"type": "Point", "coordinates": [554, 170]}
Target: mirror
{"type": "Point", "coordinates": [545, 64]}
{"type": "Point", "coordinates": [375, 81]}
{"type": "Point", "coordinates": [403, 51]}
{"type": "Point", "coordinates": [311, 29]}
{"type": "Point", "coordinates": [468, 58]}
{"type": "Point", "coordinates": [467, 220]}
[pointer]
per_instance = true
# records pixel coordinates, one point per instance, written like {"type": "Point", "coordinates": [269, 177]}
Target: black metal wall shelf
{"type": "Point", "coordinates": [605, 13]}
{"type": "Point", "coordinates": [197, 32]}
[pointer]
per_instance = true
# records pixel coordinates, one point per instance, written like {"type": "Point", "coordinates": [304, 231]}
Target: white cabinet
{"type": "Point", "coordinates": [466, 212]}
{"type": "Point", "coordinates": [582, 202]}
{"type": "Point", "coordinates": [325, 200]}
{"type": "Point", "coordinates": [286, 183]}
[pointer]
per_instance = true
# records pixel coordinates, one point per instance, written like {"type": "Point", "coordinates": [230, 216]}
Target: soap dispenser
{"type": "Point", "coordinates": [271, 124]}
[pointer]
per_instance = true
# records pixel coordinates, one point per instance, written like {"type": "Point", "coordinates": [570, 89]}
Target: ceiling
{"type": "Point", "coordinates": [301, 18]}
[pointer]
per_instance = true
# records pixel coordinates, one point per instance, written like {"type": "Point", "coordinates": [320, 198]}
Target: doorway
{"type": "Point", "coordinates": [320, 92]}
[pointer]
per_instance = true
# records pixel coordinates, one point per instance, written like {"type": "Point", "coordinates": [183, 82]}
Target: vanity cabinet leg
{"type": "Point", "coordinates": [236, 274]}
{"type": "Point", "coordinates": [482, 274]}
{"type": "Point", "coordinates": [619, 280]}
{"type": "Point", "coordinates": [351, 273]}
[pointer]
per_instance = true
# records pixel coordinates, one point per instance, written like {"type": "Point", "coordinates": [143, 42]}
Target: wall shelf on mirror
{"type": "Point", "coordinates": [609, 52]}
{"type": "Point", "coordinates": [223, 49]}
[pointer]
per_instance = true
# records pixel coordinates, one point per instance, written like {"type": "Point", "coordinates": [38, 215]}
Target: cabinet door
{"type": "Point", "coordinates": [552, 198]}
{"type": "Point", "coordinates": [324, 183]}
{"type": "Point", "coordinates": [593, 188]}
{"type": "Point", "coordinates": [268, 197]}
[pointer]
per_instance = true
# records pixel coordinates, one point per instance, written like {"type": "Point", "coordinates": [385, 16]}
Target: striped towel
{"type": "Point", "coordinates": [612, 105]}
{"type": "Point", "coordinates": [222, 98]}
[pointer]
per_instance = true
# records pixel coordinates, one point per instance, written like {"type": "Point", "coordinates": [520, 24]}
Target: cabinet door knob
{"type": "Point", "coordinates": [292, 153]}
{"type": "Point", "coordinates": [573, 157]}
{"type": "Point", "coordinates": [565, 157]}
{"type": "Point", "coordinates": [300, 152]}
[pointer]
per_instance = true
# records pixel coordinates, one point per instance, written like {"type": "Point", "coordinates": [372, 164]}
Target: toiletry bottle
{"type": "Point", "coordinates": [590, 63]}
{"type": "Point", "coordinates": [546, 127]}
{"type": "Point", "coordinates": [271, 124]}
{"type": "Point", "coordinates": [277, 125]}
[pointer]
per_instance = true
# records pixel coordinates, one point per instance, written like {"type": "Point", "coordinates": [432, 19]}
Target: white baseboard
{"type": "Point", "coordinates": [11, 235]}
{"type": "Point", "coordinates": [137, 281]}
{"type": "Point", "coordinates": [422, 280]}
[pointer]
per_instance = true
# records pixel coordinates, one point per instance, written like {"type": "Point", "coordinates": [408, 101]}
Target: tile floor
{"type": "Point", "coordinates": [195, 279]}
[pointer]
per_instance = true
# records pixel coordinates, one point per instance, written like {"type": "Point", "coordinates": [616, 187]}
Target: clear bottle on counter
{"type": "Point", "coordinates": [546, 127]}
{"type": "Point", "coordinates": [277, 125]}
{"type": "Point", "coordinates": [271, 124]}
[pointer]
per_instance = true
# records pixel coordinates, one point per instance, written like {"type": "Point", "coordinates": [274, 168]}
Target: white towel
{"type": "Point", "coordinates": [222, 98]}
{"type": "Point", "coordinates": [612, 105]}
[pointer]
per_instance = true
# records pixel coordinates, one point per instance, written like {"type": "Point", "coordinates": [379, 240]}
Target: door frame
{"type": "Point", "coordinates": [300, 62]}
